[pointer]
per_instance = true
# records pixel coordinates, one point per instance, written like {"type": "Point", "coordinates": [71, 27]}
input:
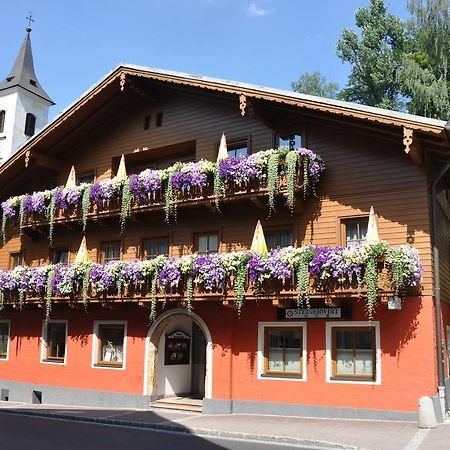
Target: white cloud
{"type": "Point", "coordinates": [256, 11]}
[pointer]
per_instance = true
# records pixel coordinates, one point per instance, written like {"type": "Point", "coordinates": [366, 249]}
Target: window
{"type": "Point", "coordinates": [207, 243]}
{"type": "Point", "coordinates": [290, 140]}
{"type": "Point", "coordinates": [147, 121]}
{"type": "Point", "coordinates": [4, 339]}
{"type": "Point", "coordinates": [354, 231]}
{"type": "Point", "coordinates": [54, 341]}
{"type": "Point", "coordinates": [15, 259]}
{"type": "Point", "coordinates": [159, 119]}
{"type": "Point", "coordinates": [353, 352]}
{"type": "Point", "coordinates": [2, 121]}
{"type": "Point", "coordinates": [30, 124]}
{"type": "Point", "coordinates": [109, 344]}
{"type": "Point", "coordinates": [110, 251]}
{"type": "Point", "coordinates": [282, 350]}
{"type": "Point", "coordinates": [238, 148]}
{"type": "Point", "coordinates": [60, 255]}
{"type": "Point", "coordinates": [155, 247]}
{"type": "Point", "coordinates": [278, 238]}
{"type": "Point", "coordinates": [88, 177]}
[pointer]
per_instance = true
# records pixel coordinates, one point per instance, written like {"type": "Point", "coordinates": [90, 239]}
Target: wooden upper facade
{"type": "Point", "coordinates": [372, 158]}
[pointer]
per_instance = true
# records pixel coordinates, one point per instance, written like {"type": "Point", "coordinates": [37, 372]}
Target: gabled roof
{"type": "Point", "coordinates": [22, 74]}
{"type": "Point", "coordinates": [111, 85]}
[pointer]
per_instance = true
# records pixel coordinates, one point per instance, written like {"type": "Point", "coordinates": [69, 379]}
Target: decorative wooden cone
{"type": "Point", "coordinates": [372, 228]}
{"type": "Point", "coordinates": [259, 241]}
{"type": "Point", "coordinates": [82, 255]}
{"type": "Point", "coordinates": [71, 179]}
{"type": "Point", "coordinates": [223, 152]}
{"type": "Point", "coordinates": [121, 171]}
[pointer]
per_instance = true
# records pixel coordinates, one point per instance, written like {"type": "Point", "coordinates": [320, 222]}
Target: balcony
{"type": "Point", "coordinates": [285, 275]}
{"type": "Point", "coordinates": [268, 179]}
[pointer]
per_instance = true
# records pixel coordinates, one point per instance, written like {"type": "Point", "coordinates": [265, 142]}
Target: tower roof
{"type": "Point", "coordinates": [22, 74]}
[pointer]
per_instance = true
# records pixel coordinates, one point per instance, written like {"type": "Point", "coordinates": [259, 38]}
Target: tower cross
{"type": "Point", "coordinates": [30, 19]}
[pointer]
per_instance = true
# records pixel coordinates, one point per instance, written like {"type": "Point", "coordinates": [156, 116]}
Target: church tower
{"type": "Point", "coordinates": [24, 104]}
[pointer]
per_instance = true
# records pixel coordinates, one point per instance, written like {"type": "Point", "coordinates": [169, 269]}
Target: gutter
{"type": "Point", "coordinates": [437, 282]}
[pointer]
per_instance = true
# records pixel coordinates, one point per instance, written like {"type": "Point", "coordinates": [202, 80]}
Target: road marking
{"type": "Point", "coordinates": [417, 439]}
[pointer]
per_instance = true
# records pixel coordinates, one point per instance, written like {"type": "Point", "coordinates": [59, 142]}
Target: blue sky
{"type": "Point", "coordinates": [267, 42]}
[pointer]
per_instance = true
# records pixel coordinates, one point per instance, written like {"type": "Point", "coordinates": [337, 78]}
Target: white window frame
{"type": "Point", "coordinates": [329, 341]}
{"type": "Point", "coordinates": [9, 338]}
{"type": "Point", "coordinates": [97, 323]}
{"type": "Point", "coordinates": [261, 328]}
{"type": "Point", "coordinates": [44, 343]}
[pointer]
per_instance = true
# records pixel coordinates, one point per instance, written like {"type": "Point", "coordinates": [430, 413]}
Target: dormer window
{"type": "Point", "coordinates": [2, 121]}
{"type": "Point", "coordinates": [30, 124]}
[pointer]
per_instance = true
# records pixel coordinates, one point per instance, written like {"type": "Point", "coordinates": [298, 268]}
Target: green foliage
{"type": "Point", "coordinates": [219, 186]}
{"type": "Point", "coordinates": [375, 56]}
{"type": "Point", "coordinates": [314, 83]}
{"type": "Point", "coordinates": [425, 76]}
{"type": "Point", "coordinates": [127, 201]}
{"type": "Point", "coordinates": [4, 224]}
{"type": "Point", "coordinates": [272, 179]}
{"type": "Point", "coordinates": [240, 282]}
{"type": "Point", "coordinates": [48, 295]}
{"type": "Point", "coordinates": [291, 176]}
{"type": "Point", "coordinates": [170, 204]}
{"type": "Point", "coordinates": [85, 206]}
{"type": "Point", "coordinates": [301, 267]}
{"type": "Point", "coordinates": [154, 290]}
{"type": "Point", "coordinates": [189, 291]}
{"type": "Point", "coordinates": [21, 213]}
{"type": "Point", "coordinates": [51, 218]}
{"type": "Point", "coordinates": [2, 300]}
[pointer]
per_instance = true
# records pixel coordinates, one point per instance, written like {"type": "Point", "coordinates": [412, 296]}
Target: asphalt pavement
{"type": "Point", "coordinates": [195, 430]}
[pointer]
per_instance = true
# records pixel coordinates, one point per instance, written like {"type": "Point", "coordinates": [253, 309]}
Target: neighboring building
{"type": "Point", "coordinates": [24, 104]}
{"type": "Point", "coordinates": [270, 358]}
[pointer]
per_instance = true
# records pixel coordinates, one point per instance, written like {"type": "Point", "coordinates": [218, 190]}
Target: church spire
{"type": "Point", "coordinates": [22, 73]}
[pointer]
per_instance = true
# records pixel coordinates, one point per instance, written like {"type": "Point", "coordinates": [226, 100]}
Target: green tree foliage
{"type": "Point", "coordinates": [425, 76]}
{"type": "Point", "coordinates": [315, 83]}
{"type": "Point", "coordinates": [376, 56]}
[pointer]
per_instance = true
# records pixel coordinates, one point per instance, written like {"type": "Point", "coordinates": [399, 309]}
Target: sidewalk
{"type": "Point", "coordinates": [331, 433]}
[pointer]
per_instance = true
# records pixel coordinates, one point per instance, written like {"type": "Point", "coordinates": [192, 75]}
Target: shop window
{"type": "Point", "coordinates": [207, 243]}
{"type": "Point", "coordinates": [110, 251]}
{"type": "Point", "coordinates": [60, 255]}
{"type": "Point", "coordinates": [88, 177]}
{"type": "Point", "coordinates": [278, 238]}
{"type": "Point", "coordinates": [109, 344]}
{"type": "Point", "coordinates": [4, 339]}
{"type": "Point", "coordinates": [290, 140]}
{"type": "Point", "coordinates": [15, 260]}
{"type": "Point", "coordinates": [30, 124]}
{"type": "Point", "coordinates": [353, 353]}
{"type": "Point", "coordinates": [2, 121]}
{"type": "Point", "coordinates": [156, 247]}
{"type": "Point", "coordinates": [282, 351]}
{"type": "Point", "coordinates": [354, 231]}
{"type": "Point", "coordinates": [55, 338]}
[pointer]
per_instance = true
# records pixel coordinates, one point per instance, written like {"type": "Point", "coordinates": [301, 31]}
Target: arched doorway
{"type": "Point", "coordinates": [178, 356]}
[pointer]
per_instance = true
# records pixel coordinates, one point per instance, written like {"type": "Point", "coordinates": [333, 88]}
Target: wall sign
{"type": "Point", "coordinates": [311, 313]}
{"type": "Point", "coordinates": [178, 347]}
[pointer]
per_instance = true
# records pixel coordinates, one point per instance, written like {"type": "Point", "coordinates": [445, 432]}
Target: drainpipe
{"type": "Point", "coordinates": [437, 282]}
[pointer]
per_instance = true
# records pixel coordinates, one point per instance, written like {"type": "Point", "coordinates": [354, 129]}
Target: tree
{"type": "Point", "coordinates": [315, 83]}
{"type": "Point", "coordinates": [376, 57]}
{"type": "Point", "coordinates": [425, 77]}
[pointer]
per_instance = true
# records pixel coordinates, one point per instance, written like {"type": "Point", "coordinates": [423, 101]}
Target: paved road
{"type": "Point", "coordinates": [18, 432]}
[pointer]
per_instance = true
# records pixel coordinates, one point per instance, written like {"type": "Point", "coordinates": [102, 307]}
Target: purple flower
{"type": "Point", "coordinates": [101, 279]}
{"type": "Point", "coordinates": [8, 209]}
{"type": "Point", "coordinates": [102, 191]}
{"type": "Point", "coordinates": [240, 169]}
{"type": "Point", "coordinates": [208, 271]}
{"type": "Point", "coordinates": [169, 274]}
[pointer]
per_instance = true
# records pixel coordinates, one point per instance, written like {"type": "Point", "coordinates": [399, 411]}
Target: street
{"type": "Point", "coordinates": [19, 432]}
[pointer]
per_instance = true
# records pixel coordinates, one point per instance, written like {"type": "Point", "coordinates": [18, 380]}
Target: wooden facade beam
{"type": "Point", "coordinates": [412, 146]}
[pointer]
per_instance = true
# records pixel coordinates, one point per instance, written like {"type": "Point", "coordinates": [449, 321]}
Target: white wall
{"type": "Point", "coordinates": [17, 103]}
{"type": "Point", "coordinates": [174, 379]}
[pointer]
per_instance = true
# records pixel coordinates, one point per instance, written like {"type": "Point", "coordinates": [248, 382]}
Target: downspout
{"type": "Point", "coordinates": [437, 281]}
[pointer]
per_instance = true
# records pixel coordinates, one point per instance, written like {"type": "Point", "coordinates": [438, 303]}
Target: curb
{"type": "Point", "coordinates": [175, 428]}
